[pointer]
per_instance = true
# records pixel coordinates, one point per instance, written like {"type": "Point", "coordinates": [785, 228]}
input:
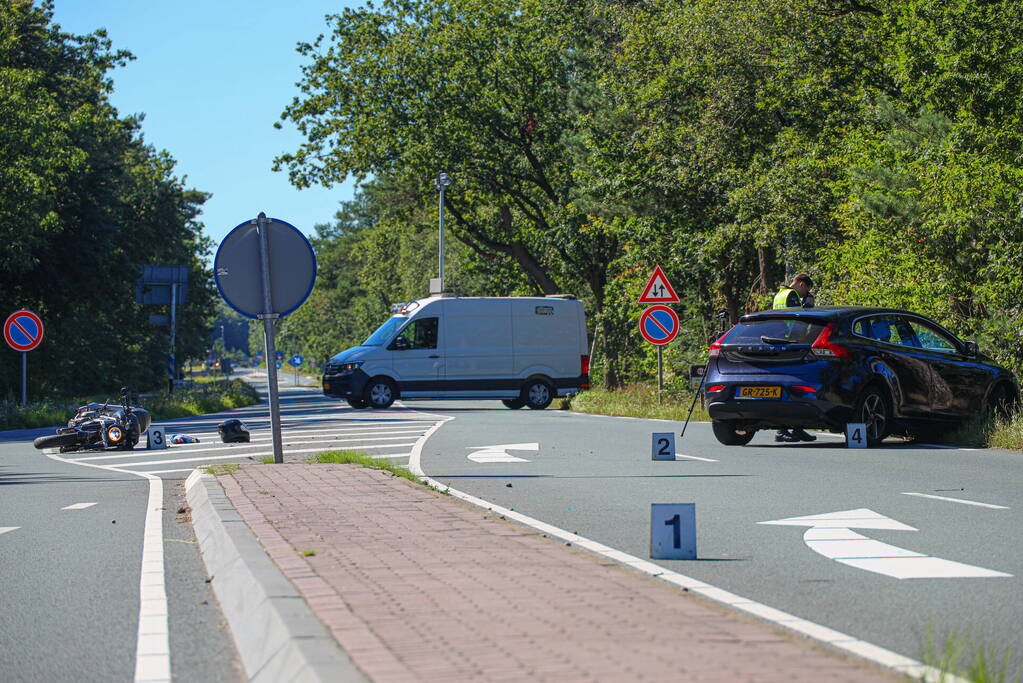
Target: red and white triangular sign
{"type": "Point", "coordinates": [658, 290]}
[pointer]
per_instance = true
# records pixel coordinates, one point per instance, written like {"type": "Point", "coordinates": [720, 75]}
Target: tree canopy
{"type": "Point", "coordinates": [84, 202]}
{"type": "Point", "coordinates": [874, 144]}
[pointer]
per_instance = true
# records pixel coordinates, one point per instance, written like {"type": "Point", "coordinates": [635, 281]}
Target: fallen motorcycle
{"type": "Point", "coordinates": [100, 426]}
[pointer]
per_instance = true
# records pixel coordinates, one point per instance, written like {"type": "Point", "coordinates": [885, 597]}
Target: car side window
{"type": "Point", "coordinates": [884, 328]}
{"type": "Point", "coordinates": [421, 334]}
{"type": "Point", "coordinates": [932, 338]}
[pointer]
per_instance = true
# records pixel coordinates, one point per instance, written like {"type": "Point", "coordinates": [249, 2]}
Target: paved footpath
{"type": "Point", "coordinates": [416, 585]}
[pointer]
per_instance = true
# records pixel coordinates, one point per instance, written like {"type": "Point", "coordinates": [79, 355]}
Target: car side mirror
{"type": "Point", "coordinates": [400, 344]}
{"type": "Point", "coordinates": [971, 349]}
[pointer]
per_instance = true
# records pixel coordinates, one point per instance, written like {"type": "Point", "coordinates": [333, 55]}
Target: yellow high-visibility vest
{"type": "Point", "coordinates": [781, 299]}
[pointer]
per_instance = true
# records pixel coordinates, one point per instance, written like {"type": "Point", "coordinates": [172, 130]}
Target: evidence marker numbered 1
{"type": "Point", "coordinates": [673, 531]}
{"type": "Point", "coordinates": [663, 446]}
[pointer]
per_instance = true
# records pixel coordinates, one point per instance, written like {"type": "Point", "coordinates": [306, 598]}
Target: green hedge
{"type": "Point", "coordinates": [207, 397]}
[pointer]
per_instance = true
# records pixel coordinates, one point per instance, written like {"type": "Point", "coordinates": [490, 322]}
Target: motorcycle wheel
{"type": "Point", "coordinates": [55, 441]}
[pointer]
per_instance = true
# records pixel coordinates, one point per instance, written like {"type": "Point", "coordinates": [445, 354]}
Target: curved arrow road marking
{"type": "Point", "coordinates": [831, 535]}
{"type": "Point", "coordinates": [500, 453]}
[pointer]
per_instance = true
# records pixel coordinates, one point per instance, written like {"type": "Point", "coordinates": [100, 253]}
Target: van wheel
{"type": "Point", "coordinates": [513, 403]}
{"type": "Point", "coordinates": [537, 394]}
{"type": "Point", "coordinates": [380, 393]}
{"type": "Point", "coordinates": [357, 403]}
{"type": "Point", "coordinates": [730, 435]}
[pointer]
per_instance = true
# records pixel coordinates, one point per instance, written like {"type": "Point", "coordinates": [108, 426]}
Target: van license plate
{"type": "Point", "coordinates": [759, 392]}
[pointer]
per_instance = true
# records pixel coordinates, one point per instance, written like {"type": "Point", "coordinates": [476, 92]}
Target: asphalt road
{"type": "Point", "coordinates": [71, 576]}
{"type": "Point", "coordinates": [594, 475]}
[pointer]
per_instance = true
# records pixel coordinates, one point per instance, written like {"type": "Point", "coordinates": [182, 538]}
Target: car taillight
{"type": "Point", "coordinates": [802, 387]}
{"type": "Point", "coordinates": [822, 347]}
{"type": "Point", "coordinates": [716, 387]}
{"type": "Point", "coordinates": [585, 369]}
{"type": "Point", "coordinates": [715, 349]}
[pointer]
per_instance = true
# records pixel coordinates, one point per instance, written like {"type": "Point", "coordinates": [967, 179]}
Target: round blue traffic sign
{"type": "Point", "coordinates": [659, 325]}
{"type": "Point", "coordinates": [23, 330]}
{"type": "Point", "coordinates": [296, 360]}
{"type": "Point", "coordinates": [278, 364]}
{"type": "Point", "coordinates": [279, 354]}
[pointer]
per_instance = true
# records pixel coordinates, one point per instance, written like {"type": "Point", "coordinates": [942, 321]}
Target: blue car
{"type": "Point", "coordinates": [897, 372]}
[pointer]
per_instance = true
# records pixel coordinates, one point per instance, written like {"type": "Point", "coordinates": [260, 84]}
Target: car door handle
{"type": "Point", "coordinates": [434, 356]}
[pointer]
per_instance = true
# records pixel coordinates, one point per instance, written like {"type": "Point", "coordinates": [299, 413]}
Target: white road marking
{"type": "Point", "coordinates": [831, 535]}
{"type": "Point", "coordinates": [499, 453]}
{"type": "Point", "coordinates": [258, 454]}
{"type": "Point", "coordinates": [242, 446]}
{"type": "Point", "coordinates": [152, 650]}
{"type": "Point", "coordinates": [679, 456]}
{"type": "Point", "coordinates": [957, 500]}
{"type": "Point", "coordinates": [78, 506]}
{"type": "Point", "coordinates": [5, 529]}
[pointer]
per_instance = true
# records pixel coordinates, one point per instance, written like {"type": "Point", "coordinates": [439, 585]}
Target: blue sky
{"type": "Point", "coordinates": [212, 77]}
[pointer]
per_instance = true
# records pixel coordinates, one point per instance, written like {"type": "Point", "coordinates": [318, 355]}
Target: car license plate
{"type": "Point", "coordinates": [759, 392]}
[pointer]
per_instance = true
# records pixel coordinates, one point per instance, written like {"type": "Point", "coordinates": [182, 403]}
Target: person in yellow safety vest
{"type": "Point", "coordinates": [796, 295]}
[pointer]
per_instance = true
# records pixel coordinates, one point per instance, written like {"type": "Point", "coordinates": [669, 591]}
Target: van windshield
{"type": "Point", "coordinates": [386, 331]}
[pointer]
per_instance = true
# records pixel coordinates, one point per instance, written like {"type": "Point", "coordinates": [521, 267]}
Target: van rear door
{"type": "Point", "coordinates": [547, 337]}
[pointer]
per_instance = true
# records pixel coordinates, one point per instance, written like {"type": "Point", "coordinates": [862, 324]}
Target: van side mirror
{"type": "Point", "coordinates": [971, 349]}
{"type": "Point", "coordinates": [399, 344]}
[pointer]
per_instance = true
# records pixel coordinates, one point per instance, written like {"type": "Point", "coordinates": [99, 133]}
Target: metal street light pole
{"type": "Point", "coordinates": [443, 180]}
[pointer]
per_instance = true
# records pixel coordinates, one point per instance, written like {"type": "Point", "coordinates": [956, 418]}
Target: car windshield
{"type": "Point", "coordinates": [774, 331]}
{"type": "Point", "coordinates": [386, 331]}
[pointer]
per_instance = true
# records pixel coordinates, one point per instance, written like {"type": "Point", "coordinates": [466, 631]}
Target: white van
{"type": "Point", "coordinates": [522, 350]}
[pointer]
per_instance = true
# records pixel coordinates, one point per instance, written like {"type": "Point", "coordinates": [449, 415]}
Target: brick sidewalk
{"type": "Point", "coordinates": [416, 585]}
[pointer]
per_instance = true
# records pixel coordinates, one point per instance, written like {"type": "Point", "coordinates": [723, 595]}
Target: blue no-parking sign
{"type": "Point", "coordinates": [659, 325]}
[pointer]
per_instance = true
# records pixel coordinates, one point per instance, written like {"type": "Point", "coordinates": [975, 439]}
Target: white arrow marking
{"type": "Point", "coordinates": [831, 535]}
{"type": "Point", "coordinates": [500, 453]}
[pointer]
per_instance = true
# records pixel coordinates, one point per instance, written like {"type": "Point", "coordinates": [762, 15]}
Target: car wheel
{"type": "Point", "coordinates": [873, 411]}
{"type": "Point", "coordinates": [357, 403]}
{"type": "Point", "coordinates": [731, 435]}
{"type": "Point", "coordinates": [513, 403]}
{"type": "Point", "coordinates": [537, 394]}
{"type": "Point", "coordinates": [380, 393]}
{"type": "Point", "coordinates": [55, 441]}
{"type": "Point", "coordinates": [999, 403]}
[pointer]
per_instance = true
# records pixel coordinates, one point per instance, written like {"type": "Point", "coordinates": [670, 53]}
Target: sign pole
{"type": "Point", "coordinates": [660, 375]}
{"type": "Point", "coordinates": [173, 328]}
{"type": "Point", "coordinates": [268, 338]}
{"type": "Point", "coordinates": [24, 378]}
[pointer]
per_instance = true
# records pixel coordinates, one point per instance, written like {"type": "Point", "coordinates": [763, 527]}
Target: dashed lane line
{"type": "Point", "coordinates": [78, 506]}
{"type": "Point", "coordinates": [5, 529]}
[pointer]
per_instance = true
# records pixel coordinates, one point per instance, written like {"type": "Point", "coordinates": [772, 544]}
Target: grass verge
{"type": "Point", "coordinates": [638, 400]}
{"type": "Point", "coordinates": [975, 659]}
{"type": "Point", "coordinates": [220, 469]}
{"type": "Point", "coordinates": [359, 458]}
{"type": "Point", "coordinates": [208, 397]}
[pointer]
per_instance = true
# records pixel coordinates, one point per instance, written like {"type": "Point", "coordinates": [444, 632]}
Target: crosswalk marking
{"type": "Point", "coordinates": [255, 455]}
{"type": "Point", "coordinates": [239, 447]}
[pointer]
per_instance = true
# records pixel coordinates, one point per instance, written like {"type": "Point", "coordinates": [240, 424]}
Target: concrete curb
{"type": "Point", "coordinates": [277, 635]}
